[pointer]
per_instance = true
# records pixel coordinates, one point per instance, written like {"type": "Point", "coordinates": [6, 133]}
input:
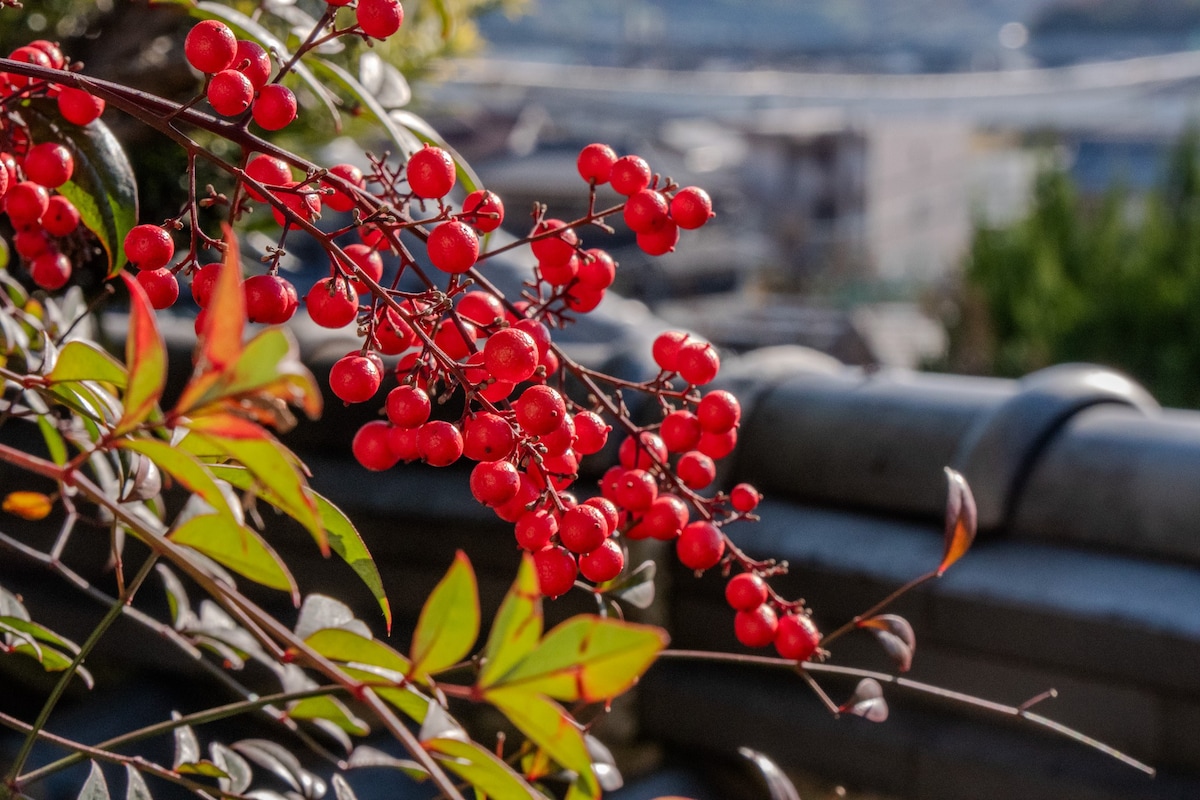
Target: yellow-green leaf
{"type": "Point", "coordinates": [516, 628]}
{"type": "Point", "coordinates": [449, 621]}
{"type": "Point", "coordinates": [339, 644]}
{"type": "Point", "coordinates": [237, 547]}
{"type": "Point", "coordinates": [146, 356]}
{"type": "Point", "coordinates": [482, 769]}
{"type": "Point", "coordinates": [30, 506]}
{"type": "Point", "coordinates": [588, 658]}
{"type": "Point", "coordinates": [550, 727]}
{"type": "Point", "coordinates": [56, 445]}
{"type": "Point", "coordinates": [84, 361]}
{"type": "Point", "coordinates": [331, 709]}
{"type": "Point", "coordinates": [184, 468]}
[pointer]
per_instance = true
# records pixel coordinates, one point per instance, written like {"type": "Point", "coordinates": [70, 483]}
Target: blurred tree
{"type": "Point", "coordinates": [1114, 281]}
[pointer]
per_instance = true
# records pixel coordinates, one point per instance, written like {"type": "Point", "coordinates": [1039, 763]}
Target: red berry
{"type": "Point", "coordinates": [31, 242]}
{"type": "Point", "coordinates": [161, 285]}
{"type": "Point", "coordinates": [691, 207]}
{"type": "Point", "coordinates": [641, 452]}
{"type": "Point", "coordinates": [269, 299]}
{"type": "Point", "coordinates": [595, 163]}
{"type": "Point", "coordinates": [559, 440]}
{"type": "Point", "coordinates": [697, 362]}
{"type": "Point", "coordinates": [745, 591]}
{"type": "Point", "coordinates": [149, 247]}
{"type": "Point", "coordinates": [25, 203]}
{"type": "Point", "coordinates": [372, 448]}
{"type": "Point", "coordinates": [355, 378]}
{"type": "Point", "coordinates": [582, 299]}
{"type": "Point", "coordinates": [665, 518]}
{"type": "Point", "coordinates": [636, 490]}
{"type": "Point", "coordinates": [408, 406]}
{"type": "Point", "coordinates": [210, 46]}
{"type": "Point", "coordinates": [270, 171]}
{"type": "Point", "coordinates": [719, 411]}
{"type": "Point", "coordinates": [604, 563]}
{"type": "Point", "coordinates": [28, 55]}
{"type": "Point", "coordinates": [744, 498]}
{"type": "Point", "coordinates": [666, 349]}
{"type": "Point", "coordinates": [527, 495]}
{"type": "Point", "coordinates": [379, 19]}
{"type": "Point", "coordinates": [700, 545]}
{"type": "Point", "coordinates": [534, 529]}
{"type": "Point", "coordinates": [582, 529]}
{"type": "Point", "coordinates": [797, 637]}
{"type": "Point", "coordinates": [61, 217]}
{"type": "Point", "coordinates": [439, 442]}
{"type": "Point", "coordinates": [555, 242]}
{"type": "Point", "coordinates": [556, 571]}
{"type": "Point", "coordinates": [484, 210]}
{"type": "Point", "coordinates": [339, 200]}
{"type": "Point", "coordinates": [488, 437]}
{"type": "Point", "coordinates": [366, 259]}
{"type": "Point", "coordinates": [332, 303]}
{"type": "Point", "coordinates": [559, 273]}
{"type": "Point", "coordinates": [204, 280]}
{"type": "Point", "coordinates": [430, 172]}
{"type": "Point", "coordinates": [481, 308]}
{"type": "Point", "coordinates": [540, 409]}
{"type": "Point", "coordinates": [494, 483]}
{"type": "Point", "coordinates": [51, 270]}
{"type": "Point", "coordinates": [49, 164]}
{"type": "Point", "coordinates": [510, 355]}
{"type": "Point", "coordinates": [391, 334]}
{"type": "Point", "coordinates": [591, 433]}
{"type": "Point", "coordinates": [455, 337]}
{"type": "Point", "coordinates": [696, 470]}
{"type": "Point", "coordinates": [659, 241]}
{"type": "Point", "coordinates": [756, 627]}
{"type": "Point", "coordinates": [680, 431]}
{"type": "Point", "coordinates": [453, 247]}
{"type": "Point", "coordinates": [403, 442]}
{"type": "Point", "coordinates": [252, 60]}
{"type": "Point", "coordinates": [717, 445]}
{"type": "Point", "coordinates": [646, 211]}
{"type": "Point", "coordinates": [630, 174]}
{"type": "Point", "coordinates": [230, 92]}
{"type": "Point", "coordinates": [606, 507]}
{"type": "Point", "coordinates": [274, 108]}
{"type": "Point", "coordinates": [539, 332]}
{"type": "Point", "coordinates": [78, 107]}
{"type": "Point", "coordinates": [597, 270]}
{"type": "Point", "coordinates": [52, 51]}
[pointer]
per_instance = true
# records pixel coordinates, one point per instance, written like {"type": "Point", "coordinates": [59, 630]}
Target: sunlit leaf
{"type": "Point", "coordinates": [449, 621]}
{"type": "Point", "coordinates": [102, 187]}
{"type": "Point", "coordinates": [185, 468]}
{"type": "Point", "coordinates": [30, 506]}
{"type": "Point", "coordinates": [481, 768]}
{"type": "Point", "coordinates": [95, 787]}
{"type": "Point", "coordinates": [367, 756]}
{"type": "Point", "coordinates": [961, 518]}
{"type": "Point", "coordinates": [386, 84]}
{"type": "Point", "coordinates": [331, 709]}
{"type": "Point", "coordinates": [404, 141]}
{"type": "Point", "coordinates": [187, 746]}
{"type": "Point", "coordinates": [135, 785]}
{"type": "Point", "coordinates": [392, 687]}
{"type": "Point", "coordinates": [867, 702]}
{"type": "Point", "coordinates": [319, 612]}
{"type": "Point", "coordinates": [280, 761]}
{"type": "Point", "coordinates": [896, 637]}
{"type": "Point", "coordinates": [203, 768]}
{"type": "Point", "coordinates": [779, 786]}
{"type": "Point", "coordinates": [587, 658]}
{"type": "Point", "coordinates": [177, 599]}
{"type": "Point", "coordinates": [220, 341]}
{"type": "Point", "coordinates": [36, 632]}
{"type": "Point", "coordinates": [146, 355]}
{"type": "Point", "coordinates": [339, 644]}
{"type": "Point", "coordinates": [81, 360]}
{"type": "Point", "coordinates": [56, 445]}
{"type": "Point", "coordinates": [517, 627]}
{"type": "Point", "coordinates": [341, 788]}
{"type": "Point", "coordinates": [551, 728]}
{"type": "Point", "coordinates": [635, 587]}
{"type": "Point", "coordinates": [237, 547]}
{"type": "Point", "coordinates": [603, 764]}
{"type": "Point", "coordinates": [236, 769]}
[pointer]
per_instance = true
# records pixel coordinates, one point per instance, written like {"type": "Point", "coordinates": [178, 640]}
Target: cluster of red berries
{"type": "Point", "coordinates": [378, 19]}
{"type": "Point", "coordinates": [238, 72]}
{"type": "Point", "coordinates": [44, 221]}
{"type": "Point", "coordinates": [758, 624]}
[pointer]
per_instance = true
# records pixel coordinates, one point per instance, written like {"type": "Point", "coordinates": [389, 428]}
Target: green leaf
{"type": "Point", "coordinates": [331, 709]}
{"type": "Point", "coordinates": [37, 632]}
{"type": "Point", "coordinates": [103, 187]}
{"type": "Point", "coordinates": [203, 768]}
{"type": "Point", "coordinates": [588, 658]}
{"type": "Point", "coordinates": [146, 356]}
{"type": "Point", "coordinates": [516, 628]}
{"type": "Point", "coordinates": [339, 644]}
{"type": "Point", "coordinates": [85, 361]}
{"type": "Point", "coordinates": [184, 468]}
{"type": "Point", "coordinates": [340, 535]}
{"type": "Point", "coordinates": [406, 143]}
{"type": "Point", "coordinates": [482, 769]}
{"type": "Point", "coordinates": [237, 547]}
{"type": "Point", "coordinates": [551, 728]}
{"type": "Point", "coordinates": [449, 621]}
{"type": "Point", "coordinates": [95, 787]}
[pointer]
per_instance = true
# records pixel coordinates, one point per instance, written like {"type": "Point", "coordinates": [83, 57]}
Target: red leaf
{"type": "Point", "coordinates": [146, 357]}
{"type": "Point", "coordinates": [221, 336]}
{"type": "Point", "coordinates": [960, 520]}
{"type": "Point", "coordinates": [896, 637]}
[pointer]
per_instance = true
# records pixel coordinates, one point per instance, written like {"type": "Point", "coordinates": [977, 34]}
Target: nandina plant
{"type": "Point", "coordinates": [408, 252]}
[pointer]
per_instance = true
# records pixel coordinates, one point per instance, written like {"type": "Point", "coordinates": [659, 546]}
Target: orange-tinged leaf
{"type": "Point", "coordinates": [481, 768]}
{"type": "Point", "coordinates": [221, 336]}
{"type": "Point", "coordinates": [551, 728]}
{"type": "Point", "coordinates": [80, 360]}
{"type": "Point", "coordinates": [449, 621]}
{"type": "Point", "coordinates": [961, 519]}
{"type": "Point", "coordinates": [146, 357]}
{"type": "Point", "coordinates": [516, 628]}
{"type": "Point", "coordinates": [340, 644]}
{"type": "Point", "coordinates": [30, 506]}
{"type": "Point", "coordinates": [184, 468]}
{"type": "Point", "coordinates": [588, 658]}
{"type": "Point", "coordinates": [237, 547]}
